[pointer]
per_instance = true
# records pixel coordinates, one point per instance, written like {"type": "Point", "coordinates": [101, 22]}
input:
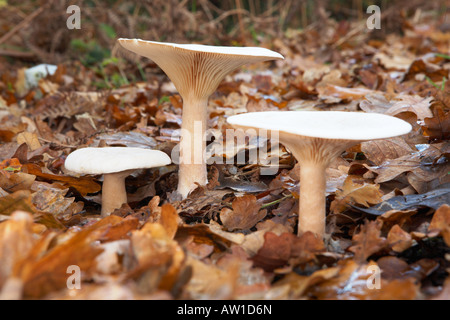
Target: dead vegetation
{"type": "Point", "coordinates": [387, 201]}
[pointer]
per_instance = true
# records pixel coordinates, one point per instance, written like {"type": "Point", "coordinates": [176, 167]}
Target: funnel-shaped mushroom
{"type": "Point", "coordinates": [115, 164]}
{"type": "Point", "coordinates": [315, 138]}
{"type": "Point", "coordinates": [196, 71]}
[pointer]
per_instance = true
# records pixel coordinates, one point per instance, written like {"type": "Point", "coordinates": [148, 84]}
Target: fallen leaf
{"type": "Point", "coordinates": [437, 125]}
{"type": "Point", "coordinates": [441, 223]}
{"type": "Point", "coordinates": [432, 199]}
{"type": "Point", "coordinates": [368, 241]}
{"type": "Point", "coordinates": [416, 104]}
{"type": "Point", "coordinates": [31, 139]}
{"type": "Point", "coordinates": [12, 182]}
{"type": "Point", "coordinates": [278, 250]}
{"type": "Point", "coordinates": [399, 239]}
{"type": "Point", "coordinates": [83, 185]}
{"type": "Point", "coordinates": [169, 219]}
{"type": "Point", "coordinates": [16, 240]}
{"type": "Point", "coordinates": [355, 193]}
{"type": "Point", "coordinates": [246, 213]}
{"type": "Point", "coordinates": [19, 200]}
{"type": "Point", "coordinates": [379, 151]}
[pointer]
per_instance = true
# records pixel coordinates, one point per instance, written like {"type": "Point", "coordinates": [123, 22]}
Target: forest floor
{"type": "Point", "coordinates": [387, 200]}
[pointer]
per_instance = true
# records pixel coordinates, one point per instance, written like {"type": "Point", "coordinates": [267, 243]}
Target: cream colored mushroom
{"type": "Point", "coordinates": [196, 71]}
{"type": "Point", "coordinates": [115, 164]}
{"type": "Point", "coordinates": [315, 138]}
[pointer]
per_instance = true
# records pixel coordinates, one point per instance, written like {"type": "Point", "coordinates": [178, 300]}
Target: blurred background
{"type": "Point", "coordinates": [36, 29]}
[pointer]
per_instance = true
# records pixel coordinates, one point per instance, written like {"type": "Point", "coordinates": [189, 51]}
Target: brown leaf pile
{"type": "Point", "coordinates": [388, 214]}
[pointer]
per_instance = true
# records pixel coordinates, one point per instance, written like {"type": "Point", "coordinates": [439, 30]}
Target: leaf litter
{"type": "Point", "coordinates": [235, 238]}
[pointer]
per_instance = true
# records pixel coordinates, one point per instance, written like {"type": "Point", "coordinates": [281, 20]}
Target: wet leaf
{"type": "Point", "coordinates": [432, 199]}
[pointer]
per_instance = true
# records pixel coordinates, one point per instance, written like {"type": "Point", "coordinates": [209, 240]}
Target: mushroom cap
{"type": "Point", "coordinates": [339, 125]}
{"type": "Point", "coordinates": [142, 47]}
{"type": "Point", "coordinates": [114, 159]}
{"type": "Point", "coordinates": [197, 69]}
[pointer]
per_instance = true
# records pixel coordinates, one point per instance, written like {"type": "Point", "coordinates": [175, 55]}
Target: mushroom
{"type": "Point", "coordinates": [315, 138]}
{"type": "Point", "coordinates": [115, 163]}
{"type": "Point", "coordinates": [196, 71]}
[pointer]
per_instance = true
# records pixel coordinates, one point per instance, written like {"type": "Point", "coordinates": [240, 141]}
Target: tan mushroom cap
{"type": "Point", "coordinates": [194, 67]}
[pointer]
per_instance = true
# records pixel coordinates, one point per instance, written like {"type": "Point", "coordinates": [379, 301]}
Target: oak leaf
{"type": "Point", "coordinates": [246, 214]}
{"type": "Point", "coordinates": [355, 193]}
{"type": "Point", "coordinates": [399, 239]}
{"type": "Point", "coordinates": [368, 241]}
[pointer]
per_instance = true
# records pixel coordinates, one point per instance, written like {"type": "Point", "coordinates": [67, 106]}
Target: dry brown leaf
{"type": "Point", "coordinates": [160, 259]}
{"type": "Point", "coordinates": [331, 93]}
{"type": "Point", "coordinates": [16, 240]}
{"type": "Point", "coordinates": [441, 223]}
{"type": "Point", "coordinates": [416, 104]}
{"type": "Point", "coordinates": [12, 182]}
{"type": "Point", "coordinates": [31, 139]}
{"type": "Point", "coordinates": [379, 151]}
{"type": "Point", "coordinates": [246, 214]}
{"type": "Point", "coordinates": [79, 250]}
{"type": "Point", "coordinates": [399, 239]}
{"type": "Point", "coordinates": [355, 193]}
{"type": "Point", "coordinates": [368, 241]}
{"type": "Point", "coordinates": [350, 280]}
{"type": "Point", "coordinates": [277, 251]}
{"type": "Point", "coordinates": [19, 200]}
{"type": "Point", "coordinates": [51, 200]}
{"type": "Point", "coordinates": [421, 163]}
{"type": "Point", "coordinates": [169, 219]}
{"type": "Point", "coordinates": [437, 125]}
{"type": "Point", "coordinates": [83, 185]}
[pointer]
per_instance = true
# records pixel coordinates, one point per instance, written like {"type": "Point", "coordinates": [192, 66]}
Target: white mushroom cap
{"type": "Point", "coordinates": [315, 138]}
{"type": "Point", "coordinates": [140, 46]}
{"type": "Point", "coordinates": [114, 159]}
{"type": "Point", "coordinates": [340, 125]}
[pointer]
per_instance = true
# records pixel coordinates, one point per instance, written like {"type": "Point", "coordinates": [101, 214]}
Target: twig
{"type": "Point", "coordinates": [17, 54]}
{"type": "Point", "coordinates": [22, 24]}
{"type": "Point", "coordinates": [276, 201]}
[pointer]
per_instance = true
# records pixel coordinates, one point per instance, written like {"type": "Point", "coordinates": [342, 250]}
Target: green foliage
{"type": "Point", "coordinates": [99, 59]}
{"type": "Point", "coordinates": [108, 30]}
{"type": "Point", "coordinates": [89, 53]}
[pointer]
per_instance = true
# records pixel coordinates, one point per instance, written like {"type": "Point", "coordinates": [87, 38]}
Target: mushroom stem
{"type": "Point", "coordinates": [312, 198]}
{"type": "Point", "coordinates": [314, 156]}
{"type": "Point", "coordinates": [114, 193]}
{"type": "Point", "coordinates": [192, 166]}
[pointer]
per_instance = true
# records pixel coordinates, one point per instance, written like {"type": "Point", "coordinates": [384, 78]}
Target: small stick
{"type": "Point", "coordinates": [22, 24]}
